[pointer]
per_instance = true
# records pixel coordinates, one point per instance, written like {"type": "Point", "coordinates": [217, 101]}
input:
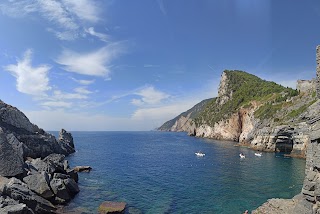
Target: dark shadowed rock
{"type": "Point", "coordinates": [8, 205]}
{"type": "Point", "coordinates": [108, 207]}
{"type": "Point", "coordinates": [73, 174]}
{"type": "Point", "coordinates": [60, 190]}
{"type": "Point", "coordinates": [72, 186]}
{"type": "Point", "coordinates": [11, 162]}
{"type": "Point", "coordinates": [39, 183]}
{"type": "Point", "coordinates": [19, 191]}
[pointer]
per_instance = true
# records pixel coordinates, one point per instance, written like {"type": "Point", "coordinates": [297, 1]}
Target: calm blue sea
{"type": "Point", "coordinates": [158, 172]}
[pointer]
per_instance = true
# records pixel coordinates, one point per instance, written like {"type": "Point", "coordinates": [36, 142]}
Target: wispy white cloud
{"type": "Point", "coordinates": [56, 11]}
{"type": "Point", "coordinates": [67, 35]}
{"type": "Point", "coordinates": [66, 16]}
{"type": "Point", "coordinates": [162, 7]}
{"type": "Point", "coordinates": [151, 66]}
{"type": "Point", "coordinates": [60, 99]}
{"type": "Point", "coordinates": [103, 37]}
{"type": "Point", "coordinates": [95, 63]}
{"type": "Point", "coordinates": [56, 104]}
{"type": "Point", "coordinates": [30, 80]}
{"type": "Point", "coordinates": [83, 82]}
{"type": "Point", "coordinates": [149, 96]}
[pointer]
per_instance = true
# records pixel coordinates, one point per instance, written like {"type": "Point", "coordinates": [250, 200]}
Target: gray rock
{"type": "Point", "coordinates": [11, 162]}
{"type": "Point", "coordinates": [11, 116]}
{"type": "Point", "coordinates": [16, 209]}
{"type": "Point", "coordinates": [72, 186]}
{"type": "Point", "coordinates": [73, 174]}
{"type": "Point", "coordinates": [66, 141]}
{"type": "Point", "coordinates": [20, 192]}
{"type": "Point", "coordinates": [39, 183]}
{"type": "Point", "coordinates": [60, 190]}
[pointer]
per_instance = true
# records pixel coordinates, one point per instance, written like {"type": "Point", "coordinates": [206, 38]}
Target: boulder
{"type": "Point", "coordinates": [19, 191]}
{"type": "Point", "coordinates": [60, 190]}
{"type": "Point", "coordinates": [73, 174]}
{"type": "Point", "coordinates": [82, 169]}
{"type": "Point", "coordinates": [16, 209]}
{"type": "Point", "coordinates": [108, 207]}
{"type": "Point", "coordinates": [50, 164]}
{"type": "Point", "coordinates": [39, 183]}
{"type": "Point", "coordinates": [11, 162]}
{"type": "Point", "coordinates": [72, 186]}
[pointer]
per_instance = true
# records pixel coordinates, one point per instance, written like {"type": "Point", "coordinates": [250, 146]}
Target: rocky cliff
{"type": "Point", "coordinates": [33, 173]}
{"type": "Point", "coordinates": [260, 114]}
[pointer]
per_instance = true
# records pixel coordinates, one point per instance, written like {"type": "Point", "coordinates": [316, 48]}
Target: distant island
{"type": "Point", "coordinates": [264, 116]}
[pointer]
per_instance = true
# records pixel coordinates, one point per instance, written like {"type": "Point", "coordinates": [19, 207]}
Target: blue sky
{"type": "Point", "coordinates": [132, 65]}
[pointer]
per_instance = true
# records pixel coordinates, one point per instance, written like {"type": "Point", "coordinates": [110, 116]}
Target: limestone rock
{"type": "Point", "coordinates": [112, 207]}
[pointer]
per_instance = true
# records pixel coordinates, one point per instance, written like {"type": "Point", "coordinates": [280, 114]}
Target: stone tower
{"type": "Point", "coordinates": [318, 71]}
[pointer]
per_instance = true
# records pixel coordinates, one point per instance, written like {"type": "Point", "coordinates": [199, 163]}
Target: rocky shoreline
{"type": "Point", "coordinates": [34, 175]}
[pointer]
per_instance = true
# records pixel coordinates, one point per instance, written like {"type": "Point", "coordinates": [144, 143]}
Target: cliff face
{"type": "Point", "coordinates": [260, 114]}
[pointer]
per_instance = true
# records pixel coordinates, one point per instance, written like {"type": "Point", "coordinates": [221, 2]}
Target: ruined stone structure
{"type": "Point", "coordinates": [318, 70]}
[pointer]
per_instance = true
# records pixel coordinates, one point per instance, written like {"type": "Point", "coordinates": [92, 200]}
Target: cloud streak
{"type": "Point", "coordinates": [30, 80]}
{"type": "Point", "coordinates": [149, 96]}
{"type": "Point", "coordinates": [103, 37]}
{"type": "Point", "coordinates": [95, 63]}
{"type": "Point", "coordinates": [66, 16]}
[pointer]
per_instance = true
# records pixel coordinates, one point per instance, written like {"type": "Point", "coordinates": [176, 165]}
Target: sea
{"type": "Point", "coordinates": [158, 172]}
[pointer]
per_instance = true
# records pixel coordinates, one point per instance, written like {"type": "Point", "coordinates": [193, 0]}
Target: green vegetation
{"type": "Point", "coordinates": [244, 88]}
{"type": "Point", "coordinates": [295, 113]}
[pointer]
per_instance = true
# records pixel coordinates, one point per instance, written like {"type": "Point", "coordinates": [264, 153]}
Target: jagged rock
{"type": "Point", "coordinates": [60, 190]}
{"type": "Point", "coordinates": [112, 207]}
{"type": "Point", "coordinates": [82, 169]}
{"type": "Point", "coordinates": [72, 186]}
{"type": "Point", "coordinates": [50, 164]}
{"type": "Point", "coordinates": [11, 117]}
{"type": "Point", "coordinates": [39, 183]}
{"type": "Point", "coordinates": [73, 174]}
{"type": "Point", "coordinates": [20, 192]}
{"type": "Point", "coordinates": [16, 209]}
{"type": "Point", "coordinates": [66, 141]}
{"type": "Point", "coordinates": [11, 162]}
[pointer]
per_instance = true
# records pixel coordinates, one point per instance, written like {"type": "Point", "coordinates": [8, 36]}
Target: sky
{"type": "Point", "coordinates": [122, 65]}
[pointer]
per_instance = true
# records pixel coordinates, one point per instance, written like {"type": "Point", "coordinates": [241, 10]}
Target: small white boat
{"type": "Point", "coordinates": [199, 154]}
{"type": "Point", "coordinates": [258, 154]}
{"type": "Point", "coordinates": [242, 155]}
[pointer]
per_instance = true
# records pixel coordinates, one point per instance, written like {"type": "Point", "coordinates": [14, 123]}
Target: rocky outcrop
{"type": "Point", "coordinates": [34, 175]}
{"type": "Point", "coordinates": [237, 128]}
